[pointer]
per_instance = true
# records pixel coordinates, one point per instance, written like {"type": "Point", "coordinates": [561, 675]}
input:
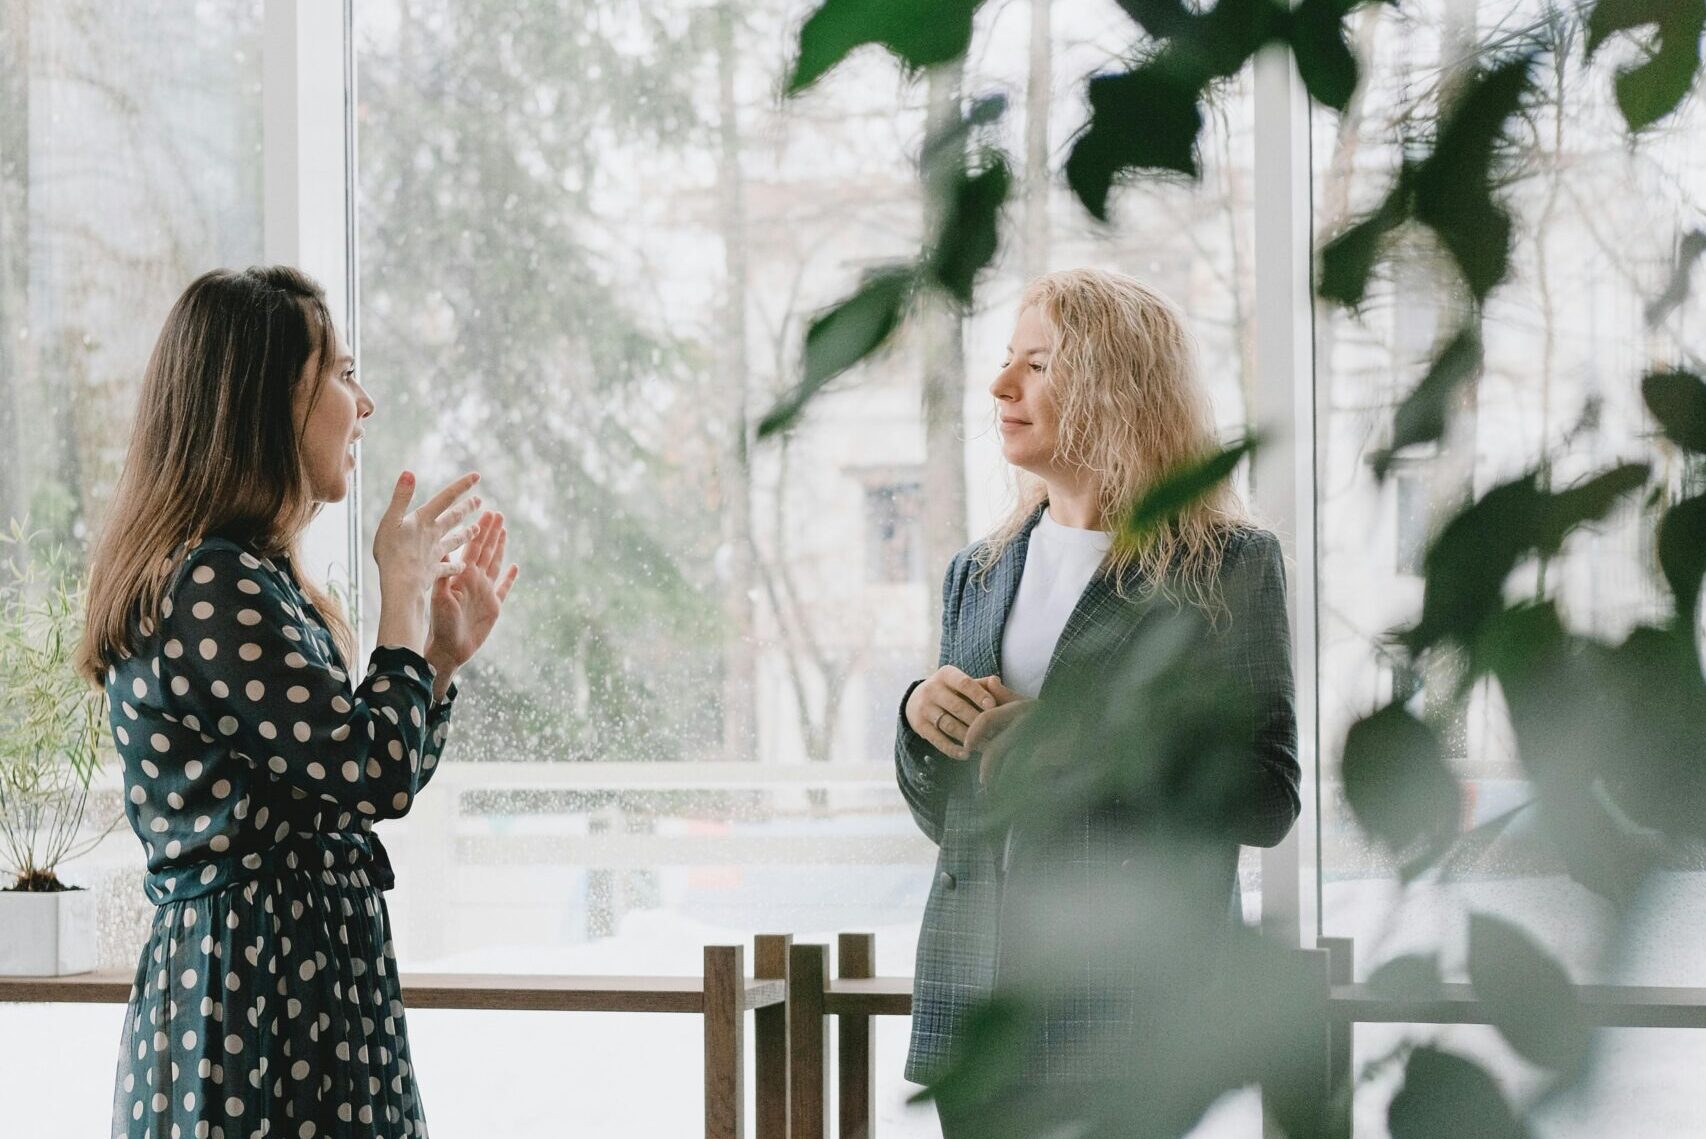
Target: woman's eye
{"type": "Point", "coordinates": [1036, 367]}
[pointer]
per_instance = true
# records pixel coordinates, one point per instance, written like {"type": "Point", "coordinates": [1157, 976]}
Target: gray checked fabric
{"type": "Point", "coordinates": [1224, 796]}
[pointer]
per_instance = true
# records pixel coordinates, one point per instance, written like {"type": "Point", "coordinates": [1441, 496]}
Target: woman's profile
{"type": "Point", "coordinates": [256, 763]}
{"type": "Point", "coordinates": [1097, 400]}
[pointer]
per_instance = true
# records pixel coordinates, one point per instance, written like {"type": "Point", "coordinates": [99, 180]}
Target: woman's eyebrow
{"type": "Point", "coordinates": [344, 363]}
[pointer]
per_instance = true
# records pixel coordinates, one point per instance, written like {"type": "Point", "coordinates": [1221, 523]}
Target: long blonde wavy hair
{"type": "Point", "coordinates": [215, 448]}
{"type": "Point", "coordinates": [1130, 407]}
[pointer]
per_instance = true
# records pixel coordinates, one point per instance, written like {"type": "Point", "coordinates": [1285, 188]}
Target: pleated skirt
{"type": "Point", "coordinates": [269, 1008]}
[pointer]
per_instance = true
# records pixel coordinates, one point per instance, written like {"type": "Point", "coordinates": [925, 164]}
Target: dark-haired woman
{"type": "Point", "coordinates": [266, 1001]}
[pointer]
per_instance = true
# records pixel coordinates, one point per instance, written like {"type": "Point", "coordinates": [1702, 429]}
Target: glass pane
{"type": "Point", "coordinates": [1567, 343]}
{"type": "Point", "coordinates": [130, 162]}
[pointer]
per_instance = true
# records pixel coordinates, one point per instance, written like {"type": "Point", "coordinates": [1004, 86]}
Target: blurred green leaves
{"type": "Point", "coordinates": [1468, 563]}
{"type": "Point", "coordinates": [1678, 401]}
{"type": "Point", "coordinates": [919, 36]}
{"type": "Point", "coordinates": [1450, 191]}
{"type": "Point", "coordinates": [1421, 418]}
{"type": "Point", "coordinates": [842, 336]}
{"type": "Point", "coordinates": [1649, 91]}
{"type": "Point", "coordinates": [1446, 1095]}
{"type": "Point", "coordinates": [1399, 786]}
{"type": "Point", "coordinates": [1526, 995]}
{"type": "Point", "coordinates": [1176, 490]}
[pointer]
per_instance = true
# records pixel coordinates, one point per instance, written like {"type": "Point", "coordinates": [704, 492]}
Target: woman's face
{"type": "Point", "coordinates": [332, 425]}
{"type": "Point", "coordinates": [1024, 401]}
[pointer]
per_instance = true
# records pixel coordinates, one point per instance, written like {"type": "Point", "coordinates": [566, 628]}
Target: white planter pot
{"type": "Point", "coordinates": [47, 935]}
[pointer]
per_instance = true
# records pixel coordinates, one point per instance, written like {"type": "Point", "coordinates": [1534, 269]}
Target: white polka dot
{"type": "Point", "coordinates": [248, 617]}
{"type": "Point", "coordinates": [296, 660]}
{"type": "Point", "coordinates": [291, 634]}
{"type": "Point", "coordinates": [140, 687]}
{"type": "Point", "coordinates": [248, 560]}
{"type": "Point", "coordinates": [202, 575]}
{"type": "Point", "coordinates": [248, 585]}
{"type": "Point", "coordinates": [128, 710]}
{"type": "Point", "coordinates": [202, 610]}
{"type": "Point", "coordinates": [267, 729]}
{"type": "Point", "coordinates": [202, 822]}
{"type": "Point", "coordinates": [189, 980]}
{"type": "Point", "coordinates": [233, 1106]}
{"type": "Point", "coordinates": [306, 972]}
{"type": "Point", "coordinates": [249, 651]}
{"type": "Point", "coordinates": [218, 844]}
{"type": "Point", "coordinates": [159, 1102]}
{"type": "Point", "coordinates": [222, 788]}
{"type": "Point", "coordinates": [315, 771]}
{"type": "Point", "coordinates": [340, 733]}
{"type": "Point", "coordinates": [277, 765]}
{"type": "Point", "coordinates": [302, 731]}
{"type": "Point", "coordinates": [209, 648]}
{"type": "Point", "coordinates": [122, 735]}
{"type": "Point", "coordinates": [351, 771]}
{"type": "Point", "coordinates": [192, 769]}
{"type": "Point", "coordinates": [160, 742]}
{"type": "Point", "coordinates": [159, 825]}
{"type": "Point", "coordinates": [364, 807]}
{"type": "Point", "coordinates": [180, 686]}
{"type": "Point", "coordinates": [176, 800]}
{"type": "Point", "coordinates": [219, 689]}
{"type": "Point", "coordinates": [147, 765]}
{"type": "Point", "coordinates": [228, 725]}
{"type": "Point", "coordinates": [340, 705]}
{"type": "Point", "coordinates": [174, 848]}
{"type": "Point", "coordinates": [174, 648]}
{"type": "Point", "coordinates": [137, 796]}
{"type": "Point", "coordinates": [382, 685]}
{"type": "Point", "coordinates": [297, 694]}
{"type": "Point", "coordinates": [400, 800]}
{"type": "Point", "coordinates": [255, 689]}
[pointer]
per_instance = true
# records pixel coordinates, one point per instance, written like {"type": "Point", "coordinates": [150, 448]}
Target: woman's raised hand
{"type": "Point", "coordinates": [467, 602]}
{"type": "Point", "coordinates": [943, 708]}
{"type": "Point", "coordinates": [411, 548]}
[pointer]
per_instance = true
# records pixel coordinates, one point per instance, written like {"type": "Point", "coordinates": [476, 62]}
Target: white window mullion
{"type": "Point", "coordinates": [308, 167]}
{"type": "Point", "coordinates": [1284, 475]}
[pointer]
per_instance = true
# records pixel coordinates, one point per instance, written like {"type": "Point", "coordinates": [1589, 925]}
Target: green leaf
{"type": "Point", "coordinates": [1649, 91]}
{"type": "Point", "coordinates": [970, 228]}
{"type": "Point", "coordinates": [1688, 251]}
{"type": "Point", "coordinates": [1412, 975]}
{"type": "Point", "coordinates": [919, 38]}
{"type": "Point", "coordinates": [1147, 119]}
{"type": "Point", "coordinates": [1587, 501]}
{"type": "Point", "coordinates": [1177, 489]}
{"type": "Point", "coordinates": [1421, 417]}
{"type": "Point", "coordinates": [1453, 185]}
{"type": "Point", "coordinates": [843, 336]}
{"type": "Point", "coordinates": [1445, 1095]}
{"type": "Point", "coordinates": [1526, 994]}
{"type": "Point", "coordinates": [1348, 260]}
{"type": "Point", "coordinates": [1324, 59]}
{"type": "Point", "coordinates": [1399, 786]}
{"type": "Point", "coordinates": [1682, 554]}
{"type": "Point", "coordinates": [1678, 401]}
{"type": "Point", "coordinates": [991, 1057]}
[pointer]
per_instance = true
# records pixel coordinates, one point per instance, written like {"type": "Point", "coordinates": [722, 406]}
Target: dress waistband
{"type": "Point", "coordinates": [360, 856]}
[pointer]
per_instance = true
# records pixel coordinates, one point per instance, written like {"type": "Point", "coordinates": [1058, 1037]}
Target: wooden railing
{"type": "Point", "coordinates": [791, 996]}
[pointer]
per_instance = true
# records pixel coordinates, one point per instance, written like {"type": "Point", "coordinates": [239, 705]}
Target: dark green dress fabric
{"type": "Point", "coordinates": [266, 1000]}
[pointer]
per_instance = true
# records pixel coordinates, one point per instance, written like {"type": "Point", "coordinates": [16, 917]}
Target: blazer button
{"type": "Point", "coordinates": [945, 880]}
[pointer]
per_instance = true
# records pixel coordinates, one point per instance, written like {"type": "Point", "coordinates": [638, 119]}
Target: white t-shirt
{"type": "Point", "coordinates": [1059, 564]}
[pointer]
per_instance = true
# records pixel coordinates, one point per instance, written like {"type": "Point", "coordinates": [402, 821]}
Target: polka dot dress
{"type": "Point", "coordinates": [266, 1001]}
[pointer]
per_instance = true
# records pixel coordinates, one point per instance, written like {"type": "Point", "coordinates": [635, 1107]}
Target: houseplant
{"type": "Point", "coordinates": [51, 739]}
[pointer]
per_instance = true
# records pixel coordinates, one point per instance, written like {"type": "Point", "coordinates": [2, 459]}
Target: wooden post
{"type": "Point", "coordinates": [855, 960]}
{"type": "Point", "coordinates": [770, 1039]}
{"type": "Point", "coordinates": [725, 1018]}
{"type": "Point", "coordinates": [808, 1081]}
{"type": "Point", "coordinates": [1341, 1036]}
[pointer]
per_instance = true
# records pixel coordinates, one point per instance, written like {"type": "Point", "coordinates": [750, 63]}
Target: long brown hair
{"type": "Point", "coordinates": [1130, 408]}
{"type": "Point", "coordinates": [214, 450]}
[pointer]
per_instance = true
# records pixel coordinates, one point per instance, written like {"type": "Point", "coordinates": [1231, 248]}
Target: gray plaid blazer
{"type": "Point", "coordinates": [960, 958]}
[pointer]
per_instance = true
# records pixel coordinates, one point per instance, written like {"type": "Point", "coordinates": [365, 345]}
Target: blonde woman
{"type": "Point", "coordinates": [1097, 397]}
{"type": "Point", "coordinates": [256, 764]}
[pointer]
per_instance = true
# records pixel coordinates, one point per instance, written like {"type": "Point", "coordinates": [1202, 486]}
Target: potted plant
{"type": "Point", "coordinates": [51, 734]}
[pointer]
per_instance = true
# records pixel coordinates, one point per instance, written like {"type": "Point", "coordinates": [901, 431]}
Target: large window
{"type": "Point", "coordinates": [1567, 342]}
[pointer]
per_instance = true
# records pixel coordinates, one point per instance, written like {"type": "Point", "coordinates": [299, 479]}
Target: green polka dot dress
{"type": "Point", "coordinates": [266, 1001]}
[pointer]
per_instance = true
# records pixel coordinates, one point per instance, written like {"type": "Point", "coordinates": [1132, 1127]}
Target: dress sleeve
{"type": "Point", "coordinates": [236, 654]}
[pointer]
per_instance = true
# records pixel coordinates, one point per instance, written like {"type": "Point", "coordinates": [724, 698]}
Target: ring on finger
{"type": "Point", "coordinates": [940, 716]}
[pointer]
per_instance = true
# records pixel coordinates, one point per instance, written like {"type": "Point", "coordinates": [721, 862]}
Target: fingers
{"type": "Point", "coordinates": [953, 703]}
{"type": "Point", "coordinates": [449, 518]}
{"type": "Point", "coordinates": [1002, 693]}
{"type": "Point", "coordinates": [508, 580]}
{"type": "Point", "coordinates": [984, 728]}
{"type": "Point", "coordinates": [500, 544]}
{"type": "Point", "coordinates": [972, 691]}
{"type": "Point", "coordinates": [401, 495]}
{"type": "Point", "coordinates": [933, 736]}
{"type": "Point", "coordinates": [440, 502]}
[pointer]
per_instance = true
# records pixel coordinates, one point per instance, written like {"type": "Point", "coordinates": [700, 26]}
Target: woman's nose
{"type": "Point", "coordinates": [1003, 387]}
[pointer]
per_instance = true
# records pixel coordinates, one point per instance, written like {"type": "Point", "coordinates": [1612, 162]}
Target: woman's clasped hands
{"type": "Point", "coordinates": [963, 716]}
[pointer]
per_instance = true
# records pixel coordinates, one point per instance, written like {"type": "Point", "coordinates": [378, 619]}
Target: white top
{"type": "Point", "coordinates": [1058, 566]}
